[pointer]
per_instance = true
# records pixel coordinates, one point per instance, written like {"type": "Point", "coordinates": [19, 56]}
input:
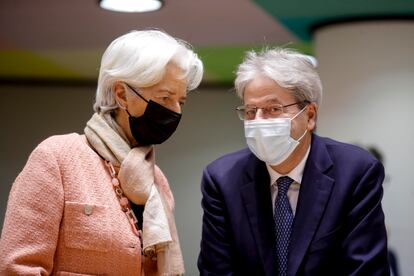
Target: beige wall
{"type": "Point", "coordinates": [368, 74]}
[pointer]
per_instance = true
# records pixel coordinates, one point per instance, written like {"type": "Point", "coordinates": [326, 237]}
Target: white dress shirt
{"type": "Point", "coordinates": [293, 192]}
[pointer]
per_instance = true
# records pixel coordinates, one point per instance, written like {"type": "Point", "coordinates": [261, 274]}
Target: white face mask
{"type": "Point", "coordinates": [269, 139]}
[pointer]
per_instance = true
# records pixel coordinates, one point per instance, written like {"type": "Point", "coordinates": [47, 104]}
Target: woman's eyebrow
{"type": "Point", "coordinates": [163, 90]}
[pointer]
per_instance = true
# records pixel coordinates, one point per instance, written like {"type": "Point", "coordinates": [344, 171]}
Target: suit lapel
{"type": "Point", "coordinates": [258, 206]}
{"type": "Point", "coordinates": [314, 193]}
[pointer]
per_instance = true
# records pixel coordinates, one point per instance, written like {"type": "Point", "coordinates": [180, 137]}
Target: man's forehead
{"type": "Point", "coordinates": [264, 102]}
{"type": "Point", "coordinates": [271, 98]}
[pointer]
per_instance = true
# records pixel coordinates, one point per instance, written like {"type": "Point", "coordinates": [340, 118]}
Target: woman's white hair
{"type": "Point", "coordinates": [139, 58]}
{"type": "Point", "coordinates": [288, 68]}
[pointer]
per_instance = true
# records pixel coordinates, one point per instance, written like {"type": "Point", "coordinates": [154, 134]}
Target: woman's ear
{"type": "Point", "coordinates": [120, 94]}
{"type": "Point", "coordinates": [312, 111]}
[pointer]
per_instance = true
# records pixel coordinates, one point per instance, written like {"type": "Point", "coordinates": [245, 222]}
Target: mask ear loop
{"type": "Point", "coordinates": [297, 114]}
{"type": "Point", "coordinates": [306, 130]}
{"type": "Point", "coordinates": [303, 135]}
{"type": "Point", "coordinates": [136, 92]}
{"type": "Point", "coordinates": [123, 107]}
{"type": "Point", "coordinates": [120, 106]}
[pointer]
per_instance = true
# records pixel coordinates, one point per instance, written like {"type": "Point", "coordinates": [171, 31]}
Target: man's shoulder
{"type": "Point", "coordinates": [229, 171]}
{"type": "Point", "coordinates": [341, 150]}
{"type": "Point", "coordinates": [237, 159]}
{"type": "Point", "coordinates": [232, 157]}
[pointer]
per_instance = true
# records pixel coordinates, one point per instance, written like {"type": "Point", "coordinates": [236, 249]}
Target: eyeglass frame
{"type": "Point", "coordinates": [241, 109]}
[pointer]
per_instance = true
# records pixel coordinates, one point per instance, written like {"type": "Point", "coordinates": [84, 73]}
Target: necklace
{"type": "Point", "coordinates": [124, 202]}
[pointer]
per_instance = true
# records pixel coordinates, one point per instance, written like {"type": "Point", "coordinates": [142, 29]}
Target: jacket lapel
{"type": "Point", "coordinates": [314, 193]}
{"type": "Point", "coordinates": [258, 206]}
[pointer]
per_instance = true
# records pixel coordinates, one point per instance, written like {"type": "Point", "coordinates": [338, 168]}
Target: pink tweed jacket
{"type": "Point", "coordinates": [63, 217]}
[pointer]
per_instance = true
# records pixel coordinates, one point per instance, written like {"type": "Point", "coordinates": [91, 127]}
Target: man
{"type": "Point", "coordinates": [293, 203]}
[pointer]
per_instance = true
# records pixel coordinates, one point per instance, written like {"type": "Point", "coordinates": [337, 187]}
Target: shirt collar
{"type": "Point", "coordinates": [296, 174]}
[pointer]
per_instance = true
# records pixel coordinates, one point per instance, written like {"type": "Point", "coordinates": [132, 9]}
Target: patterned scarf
{"type": "Point", "coordinates": [144, 184]}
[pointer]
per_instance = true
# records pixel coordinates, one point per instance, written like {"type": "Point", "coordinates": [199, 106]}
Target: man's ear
{"type": "Point", "coordinates": [119, 91]}
{"type": "Point", "coordinates": [312, 111]}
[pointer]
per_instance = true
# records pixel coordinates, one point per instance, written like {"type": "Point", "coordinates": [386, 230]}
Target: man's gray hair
{"type": "Point", "coordinates": [288, 68]}
{"type": "Point", "coordinates": [139, 58]}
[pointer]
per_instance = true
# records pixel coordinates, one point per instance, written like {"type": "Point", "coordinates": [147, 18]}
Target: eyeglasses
{"type": "Point", "coordinates": [272, 110]}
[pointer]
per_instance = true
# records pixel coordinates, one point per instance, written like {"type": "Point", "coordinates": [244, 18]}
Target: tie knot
{"type": "Point", "coordinates": [283, 184]}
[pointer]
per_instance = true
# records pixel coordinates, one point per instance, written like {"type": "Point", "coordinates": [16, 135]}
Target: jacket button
{"type": "Point", "coordinates": [88, 209]}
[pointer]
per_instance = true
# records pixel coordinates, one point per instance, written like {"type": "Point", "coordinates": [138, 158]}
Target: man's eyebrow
{"type": "Point", "coordinates": [274, 100]}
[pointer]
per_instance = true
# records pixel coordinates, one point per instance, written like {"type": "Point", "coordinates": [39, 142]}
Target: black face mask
{"type": "Point", "coordinates": [155, 126]}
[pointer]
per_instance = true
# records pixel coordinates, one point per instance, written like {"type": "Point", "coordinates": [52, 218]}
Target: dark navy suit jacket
{"type": "Point", "coordinates": [339, 223]}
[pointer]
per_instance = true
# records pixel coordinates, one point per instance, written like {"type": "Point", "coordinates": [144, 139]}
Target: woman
{"type": "Point", "coordinates": [96, 204]}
